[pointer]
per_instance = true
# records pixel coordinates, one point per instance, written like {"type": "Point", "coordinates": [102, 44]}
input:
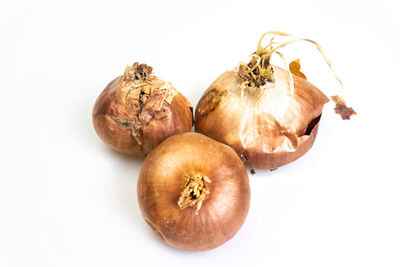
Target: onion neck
{"type": "Point", "coordinates": [195, 192]}
{"type": "Point", "coordinates": [258, 71]}
{"type": "Point", "coordinates": [134, 76]}
{"type": "Point", "coordinates": [138, 72]}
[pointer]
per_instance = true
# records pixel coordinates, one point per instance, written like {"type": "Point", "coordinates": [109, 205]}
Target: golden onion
{"type": "Point", "coordinates": [137, 111]}
{"type": "Point", "coordinates": [194, 192]}
{"type": "Point", "coordinates": [269, 116]}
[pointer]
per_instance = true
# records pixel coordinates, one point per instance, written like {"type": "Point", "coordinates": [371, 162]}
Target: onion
{"type": "Point", "coordinates": [267, 115]}
{"type": "Point", "coordinates": [194, 192]}
{"type": "Point", "coordinates": [137, 111]}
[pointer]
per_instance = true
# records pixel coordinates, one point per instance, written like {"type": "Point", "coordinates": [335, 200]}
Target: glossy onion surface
{"type": "Point", "coordinates": [162, 182]}
{"type": "Point", "coordinates": [266, 126]}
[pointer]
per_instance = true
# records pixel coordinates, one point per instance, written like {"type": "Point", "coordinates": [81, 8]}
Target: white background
{"type": "Point", "coordinates": [68, 200]}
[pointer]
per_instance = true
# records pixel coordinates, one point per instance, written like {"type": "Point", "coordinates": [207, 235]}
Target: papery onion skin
{"type": "Point", "coordinates": [162, 180]}
{"type": "Point", "coordinates": [136, 128]}
{"type": "Point", "coordinates": [267, 127]}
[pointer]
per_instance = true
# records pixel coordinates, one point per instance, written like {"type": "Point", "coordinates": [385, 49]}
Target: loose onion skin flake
{"type": "Point", "coordinates": [194, 192]}
{"type": "Point", "coordinates": [269, 116]}
{"type": "Point", "coordinates": [137, 111]}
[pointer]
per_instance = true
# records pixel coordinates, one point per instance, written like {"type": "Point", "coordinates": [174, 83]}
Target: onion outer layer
{"type": "Point", "coordinates": [267, 126]}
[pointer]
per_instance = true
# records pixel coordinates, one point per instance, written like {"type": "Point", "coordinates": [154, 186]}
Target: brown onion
{"type": "Point", "coordinates": [268, 116]}
{"type": "Point", "coordinates": [137, 111]}
{"type": "Point", "coordinates": [194, 192]}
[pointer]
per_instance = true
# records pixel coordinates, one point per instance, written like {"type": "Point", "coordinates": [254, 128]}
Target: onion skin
{"type": "Point", "coordinates": [118, 116]}
{"type": "Point", "coordinates": [163, 178]}
{"type": "Point", "coordinates": [267, 127]}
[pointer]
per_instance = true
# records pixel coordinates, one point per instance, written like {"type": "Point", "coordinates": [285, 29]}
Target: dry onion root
{"type": "Point", "coordinates": [269, 116]}
{"type": "Point", "coordinates": [137, 111]}
{"type": "Point", "coordinates": [194, 192]}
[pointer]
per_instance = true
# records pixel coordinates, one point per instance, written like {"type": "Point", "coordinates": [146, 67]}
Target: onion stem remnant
{"type": "Point", "coordinates": [259, 70]}
{"type": "Point", "coordinates": [194, 192]}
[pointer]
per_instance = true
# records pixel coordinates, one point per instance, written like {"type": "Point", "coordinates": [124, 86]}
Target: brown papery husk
{"type": "Point", "coordinates": [135, 124]}
{"type": "Point", "coordinates": [162, 180]}
{"type": "Point", "coordinates": [267, 126]}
